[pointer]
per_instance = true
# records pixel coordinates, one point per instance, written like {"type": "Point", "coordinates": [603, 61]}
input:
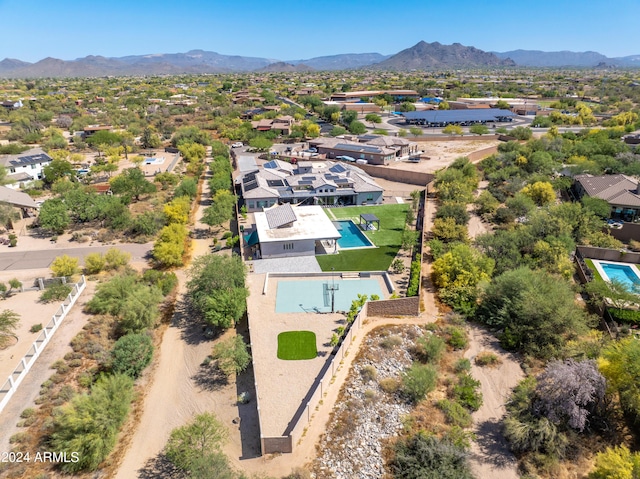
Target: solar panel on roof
{"type": "Point", "coordinates": [338, 168]}
{"type": "Point", "coordinates": [438, 116]}
{"type": "Point", "coordinates": [309, 178]}
{"type": "Point", "coordinates": [305, 182]}
{"type": "Point", "coordinates": [275, 182]}
{"type": "Point", "coordinates": [250, 186]}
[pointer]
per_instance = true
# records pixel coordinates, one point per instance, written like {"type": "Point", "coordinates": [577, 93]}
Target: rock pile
{"type": "Point", "coordinates": [366, 414]}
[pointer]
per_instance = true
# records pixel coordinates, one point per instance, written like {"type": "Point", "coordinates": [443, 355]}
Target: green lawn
{"type": "Point", "coordinates": [294, 345]}
{"type": "Point", "coordinates": [592, 267]}
{"type": "Point", "coordinates": [388, 239]}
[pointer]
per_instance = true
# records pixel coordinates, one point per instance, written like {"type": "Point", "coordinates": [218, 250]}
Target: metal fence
{"type": "Point", "coordinates": [29, 359]}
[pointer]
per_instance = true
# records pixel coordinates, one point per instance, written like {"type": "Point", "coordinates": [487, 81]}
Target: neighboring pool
{"type": "Point", "coordinates": [314, 296]}
{"type": "Point", "coordinates": [624, 273]}
{"type": "Point", "coordinates": [350, 235]}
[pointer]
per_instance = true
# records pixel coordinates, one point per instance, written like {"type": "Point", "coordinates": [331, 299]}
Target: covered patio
{"type": "Point", "coordinates": [369, 220]}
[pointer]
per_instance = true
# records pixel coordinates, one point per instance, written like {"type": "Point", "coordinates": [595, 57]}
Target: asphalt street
{"type": "Point", "coordinates": [42, 258]}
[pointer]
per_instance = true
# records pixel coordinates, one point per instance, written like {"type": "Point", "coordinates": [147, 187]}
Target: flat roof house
{"type": "Point", "coordinates": [308, 183]}
{"type": "Point", "coordinates": [288, 230]}
{"type": "Point", "coordinates": [620, 191]}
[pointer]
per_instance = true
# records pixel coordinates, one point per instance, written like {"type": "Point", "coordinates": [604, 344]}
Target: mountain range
{"type": "Point", "coordinates": [422, 56]}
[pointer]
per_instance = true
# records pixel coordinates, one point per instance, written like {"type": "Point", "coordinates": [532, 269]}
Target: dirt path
{"type": "Point", "coordinates": [490, 455]}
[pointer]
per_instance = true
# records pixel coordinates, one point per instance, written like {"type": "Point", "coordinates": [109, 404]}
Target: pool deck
{"type": "Point", "coordinates": [283, 385]}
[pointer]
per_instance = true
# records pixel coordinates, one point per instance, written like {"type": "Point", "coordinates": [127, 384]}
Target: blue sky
{"type": "Point", "coordinates": [291, 30]}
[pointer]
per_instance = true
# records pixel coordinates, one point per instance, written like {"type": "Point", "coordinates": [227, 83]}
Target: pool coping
{"type": "Point", "coordinates": [605, 276]}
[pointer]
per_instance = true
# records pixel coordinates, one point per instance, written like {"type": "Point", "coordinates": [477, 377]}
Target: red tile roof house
{"type": "Point", "coordinates": [620, 191]}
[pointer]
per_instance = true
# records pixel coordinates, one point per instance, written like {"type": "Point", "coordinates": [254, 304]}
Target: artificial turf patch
{"type": "Point", "coordinates": [294, 345]}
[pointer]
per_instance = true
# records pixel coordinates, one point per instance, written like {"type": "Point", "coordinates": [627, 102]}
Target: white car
{"type": "Point", "coordinates": [237, 144]}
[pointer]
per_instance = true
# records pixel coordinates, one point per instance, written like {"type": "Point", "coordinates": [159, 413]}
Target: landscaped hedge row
{"type": "Point", "coordinates": [414, 278]}
{"type": "Point", "coordinates": [624, 315]}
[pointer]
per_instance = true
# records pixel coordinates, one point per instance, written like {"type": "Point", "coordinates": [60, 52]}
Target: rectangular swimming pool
{"type": "Point", "coordinates": [314, 296]}
{"type": "Point", "coordinates": [624, 273]}
{"type": "Point", "coordinates": [350, 235]}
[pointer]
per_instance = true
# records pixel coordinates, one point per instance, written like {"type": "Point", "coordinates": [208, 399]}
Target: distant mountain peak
{"type": "Point", "coordinates": [425, 56]}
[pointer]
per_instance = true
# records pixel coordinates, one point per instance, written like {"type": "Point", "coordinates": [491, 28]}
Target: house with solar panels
{"type": "Point", "coordinates": [374, 149]}
{"type": "Point", "coordinates": [25, 167]}
{"type": "Point", "coordinates": [324, 183]}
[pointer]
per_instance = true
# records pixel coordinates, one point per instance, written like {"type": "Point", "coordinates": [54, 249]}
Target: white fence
{"type": "Point", "coordinates": [29, 359]}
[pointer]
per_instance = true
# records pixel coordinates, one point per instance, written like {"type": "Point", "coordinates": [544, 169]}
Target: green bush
{"type": "Point", "coordinates": [389, 385]}
{"type": "Point", "coordinates": [55, 292]}
{"type": "Point", "coordinates": [466, 392]}
{"type": "Point", "coordinates": [418, 381]}
{"type": "Point", "coordinates": [131, 354]}
{"type": "Point", "coordinates": [456, 414]}
{"type": "Point", "coordinates": [624, 315]}
{"type": "Point", "coordinates": [35, 328]}
{"type": "Point", "coordinates": [166, 281]}
{"type": "Point", "coordinates": [414, 281]}
{"type": "Point", "coordinates": [486, 358]}
{"type": "Point", "coordinates": [462, 365]}
{"type": "Point", "coordinates": [457, 338]}
{"type": "Point", "coordinates": [94, 263]}
{"type": "Point", "coordinates": [390, 342]}
{"type": "Point", "coordinates": [88, 426]}
{"type": "Point", "coordinates": [430, 348]}
{"type": "Point", "coordinates": [427, 457]}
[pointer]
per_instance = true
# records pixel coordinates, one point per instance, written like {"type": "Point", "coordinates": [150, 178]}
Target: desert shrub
{"type": "Point", "coordinates": [94, 263]}
{"type": "Point", "coordinates": [418, 381]}
{"type": "Point", "coordinates": [368, 373]}
{"type": "Point", "coordinates": [89, 424]}
{"type": "Point", "coordinates": [389, 385]}
{"type": "Point", "coordinates": [462, 365]}
{"type": "Point", "coordinates": [467, 393]}
{"type": "Point", "coordinates": [423, 456]}
{"type": "Point", "coordinates": [430, 348]}
{"type": "Point", "coordinates": [64, 266]}
{"type": "Point", "coordinates": [457, 338]}
{"type": "Point", "coordinates": [55, 292]}
{"type": "Point", "coordinates": [131, 354]}
{"type": "Point", "coordinates": [390, 342]}
{"type": "Point", "coordinates": [232, 355]}
{"type": "Point", "coordinates": [487, 358]}
{"type": "Point", "coordinates": [204, 436]}
{"type": "Point", "coordinates": [166, 281]}
{"type": "Point", "coordinates": [35, 328]}
{"type": "Point", "coordinates": [27, 413]}
{"type": "Point", "coordinates": [456, 414]}
{"type": "Point", "coordinates": [115, 259]}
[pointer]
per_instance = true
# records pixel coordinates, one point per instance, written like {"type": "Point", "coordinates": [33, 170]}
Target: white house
{"type": "Point", "coordinates": [288, 230]}
{"type": "Point", "coordinates": [25, 167]}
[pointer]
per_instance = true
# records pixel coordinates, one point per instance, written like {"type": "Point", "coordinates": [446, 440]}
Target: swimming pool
{"type": "Point", "coordinates": [350, 235]}
{"type": "Point", "coordinates": [622, 272]}
{"type": "Point", "coordinates": [314, 296]}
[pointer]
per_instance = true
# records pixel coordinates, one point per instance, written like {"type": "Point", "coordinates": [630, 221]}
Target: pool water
{"type": "Point", "coordinates": [314, 296]}
{"type": "Point", "coordinates": [623, 273]}
{"type": "Point", "coordinates": [350, 235]}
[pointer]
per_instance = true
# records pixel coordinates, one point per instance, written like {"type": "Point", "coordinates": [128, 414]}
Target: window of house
{"type": "Point", "coordinates": [33, 167]}
{"type": "Point", "coordinates": [251, 205]}
{"type": "Point", "coordinates": [370, 197]}
{"type": "Point", "coordinates": [287, 246]}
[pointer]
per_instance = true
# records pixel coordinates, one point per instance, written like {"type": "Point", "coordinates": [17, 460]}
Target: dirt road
{"type": "Point", "coordinates": [490, 455]}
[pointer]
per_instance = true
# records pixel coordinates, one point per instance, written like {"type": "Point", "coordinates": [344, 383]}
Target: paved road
{"type": "Point", "coordinates": [42, 258]}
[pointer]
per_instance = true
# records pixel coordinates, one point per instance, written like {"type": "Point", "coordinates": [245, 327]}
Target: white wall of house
{"type": "Point", "coordinates": [372, 198]}
{"type": "Point", "coordinates": [35, 171]}
{"type": "Point", "coordinates": [281, 249]}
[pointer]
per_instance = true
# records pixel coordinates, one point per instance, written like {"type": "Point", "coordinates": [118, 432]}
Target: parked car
{"type": "Point", "coordinates": [237, 144]}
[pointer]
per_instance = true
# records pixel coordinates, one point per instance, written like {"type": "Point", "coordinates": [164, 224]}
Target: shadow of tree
{"type": "Point", "coordinates": [493, 446]}
{"type": "Point", "coordinates": [210, 378]}
{"type": "Point", "coordinates": [160, 467]}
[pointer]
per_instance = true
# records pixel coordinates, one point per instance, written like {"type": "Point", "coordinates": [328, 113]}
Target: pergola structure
{"type": "Point", "coordinates": [369, 219]}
